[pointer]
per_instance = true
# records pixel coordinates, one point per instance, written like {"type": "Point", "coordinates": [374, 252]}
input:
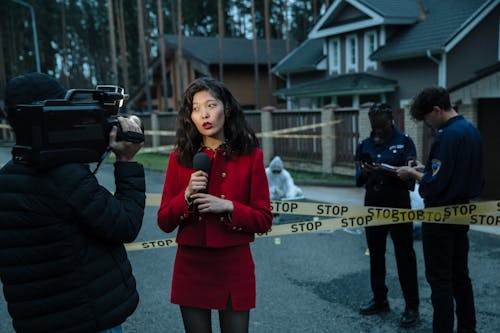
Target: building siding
{"type": "Point", "coordinates": [473, 53]}
{"type": "Point", "coordinates": [412, 75]}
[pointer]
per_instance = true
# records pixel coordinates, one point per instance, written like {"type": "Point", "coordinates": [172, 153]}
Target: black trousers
{"type": "Point", "coordinates": [402, 237]}
{"type": "Point", "coordinates": [446, 251]}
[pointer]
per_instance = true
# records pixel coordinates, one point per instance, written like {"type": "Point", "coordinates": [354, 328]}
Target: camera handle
{"type": "Point", "coordinates": [97, 95]}
{"type": "Point", "coordinates": [129, 135]}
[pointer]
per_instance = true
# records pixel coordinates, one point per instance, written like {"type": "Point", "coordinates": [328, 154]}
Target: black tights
{"type": "Point", "coordinates": [198, 320]}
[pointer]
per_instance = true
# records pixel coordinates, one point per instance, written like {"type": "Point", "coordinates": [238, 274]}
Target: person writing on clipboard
{"type": "Point", "coordinates": [376, 160]}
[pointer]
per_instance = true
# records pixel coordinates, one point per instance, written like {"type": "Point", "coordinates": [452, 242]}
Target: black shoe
{"type": "Point", "coordinates": [374, 307]}
{"type": "Point", "coordinates": [409, 318]}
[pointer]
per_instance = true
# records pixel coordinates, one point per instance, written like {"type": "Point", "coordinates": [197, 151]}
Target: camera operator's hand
{"type": "Point", "coordinates": [125, 150]}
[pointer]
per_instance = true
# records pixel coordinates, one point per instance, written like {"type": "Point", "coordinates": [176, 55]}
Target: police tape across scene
{"type": "Point", "coordinates": [343, 216]}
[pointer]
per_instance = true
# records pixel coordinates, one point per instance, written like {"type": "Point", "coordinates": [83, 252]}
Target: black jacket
{"type": "Point", "coordinates": [62, 261]}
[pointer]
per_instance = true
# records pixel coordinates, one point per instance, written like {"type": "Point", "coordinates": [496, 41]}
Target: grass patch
{"type": "Point", "coordinates": [153, 161]}
{"type": "Point", "coordinates": [158, 162]}
{"type": "Point", "coordinates": [150, 161]}
{"type": "Point", "coordinates": [320, 178]}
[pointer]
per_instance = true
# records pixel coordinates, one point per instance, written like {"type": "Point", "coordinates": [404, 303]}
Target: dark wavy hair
{"type": "Point", "coordinates": [240, 138]}
{"type": "Point", "coordinates": [381, 109]}
{"type": "Point", "coordinates": [427, 99]}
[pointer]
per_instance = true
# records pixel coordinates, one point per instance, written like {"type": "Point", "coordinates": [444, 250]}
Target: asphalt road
{"type": "Point", "coordinates": [305, 283]}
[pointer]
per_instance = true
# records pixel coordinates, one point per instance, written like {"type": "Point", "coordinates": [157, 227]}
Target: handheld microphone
{"type": "Point", "coordinates": [201, 161]}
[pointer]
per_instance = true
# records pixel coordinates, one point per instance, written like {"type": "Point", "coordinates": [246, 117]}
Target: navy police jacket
{"type": "Point", "coordinates": [454, 171]}
{"type": "Point", "coordinates": [396, 151]}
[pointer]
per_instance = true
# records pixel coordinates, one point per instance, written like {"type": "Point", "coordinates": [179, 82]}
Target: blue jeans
{"type": "Point", "coordinates": [116, 329]}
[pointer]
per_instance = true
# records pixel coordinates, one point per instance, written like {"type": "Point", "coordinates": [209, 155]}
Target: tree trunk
{"type": "Point", "coordinates": [144, 55]}
{"type": "Point", "coordinates": [123, 44]}
{"type": "Point", "coordinates": [64, 69]}
{"type": "Point", "coordinates": [268, 53]}
{"type": "Point", "coordinates": [3, 78]}
{"type": "Point", "coordinates": [172, 11]}
{"type": "Point", "coordinates": [161, 42]}
{"type": "Point", "coordinates": [220, 16]}
{"type": "Point", "coordinates": [112, 43]}
{"type": "Point", "coordinates": [315, 10]}
{"type": "Point", "coordinates": [255, 58]}
{"type": "Point", "coordinates": [287, 28]}
{"type": "Point", "coordinates": [180, 79]}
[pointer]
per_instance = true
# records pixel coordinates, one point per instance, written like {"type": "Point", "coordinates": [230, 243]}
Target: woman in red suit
{"type": "Point", "coordinates": [217, 211]}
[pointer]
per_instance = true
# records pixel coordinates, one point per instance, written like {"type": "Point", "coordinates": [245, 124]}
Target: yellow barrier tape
{"type": "Point", "coordinates": [299, 136]}
{"type": "Point", "coordinates": [344, 216]}
{"type": "Point", "coordinates": [159, 132]}
{"type": "Point", "coordinates": [474, 211]}
{"type": "Point", "coordinates": [153, 199]}
{"type": "Point", "coordinates": [146, 150]}
{"type": "Point", "coordinates": [317, 225]}
{"type": "Point", "coordinates": [277, 133]}
{"type": "Point", "coordinates": [396, 215]}
{"type": "Point", "coordinates": [282, 133]}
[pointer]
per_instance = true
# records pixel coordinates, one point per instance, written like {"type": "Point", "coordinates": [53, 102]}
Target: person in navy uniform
{"type": "Point", "coordinates": [386, 144]}
{"type": "Point", "coordinates": [453, 174]}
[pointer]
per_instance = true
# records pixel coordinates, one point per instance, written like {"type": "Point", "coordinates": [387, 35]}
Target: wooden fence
{"type": "Point", "coordinates": [312, 140]}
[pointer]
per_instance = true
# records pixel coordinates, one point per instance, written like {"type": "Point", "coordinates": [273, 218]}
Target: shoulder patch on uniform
{"type": "Point", "coordinates": [436, 165]}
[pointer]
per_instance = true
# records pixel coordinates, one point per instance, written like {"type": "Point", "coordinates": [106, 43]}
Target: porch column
{"type": "Point", "coordinates": [155, 126]}
{"type": "Point", "coordinates": [266, 125]}
{"type": "Point", "coordinates": [327, 144]}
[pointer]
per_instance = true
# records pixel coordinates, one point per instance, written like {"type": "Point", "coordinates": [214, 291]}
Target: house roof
{"type": "Point", "coordinates": [480, 74]}
{"type": "Point", "coordinates": [444, 19]}
{"type": "Point", "coordinates": [359, 83]}
{"type": "Point", "coordinates": [352, 15]}
{"type": "Point", "coordinates": [236, 51]}
{"type": "Point", "coordinates": [393, 8]}
{"type": "Point", "coordinates": [304, 58]}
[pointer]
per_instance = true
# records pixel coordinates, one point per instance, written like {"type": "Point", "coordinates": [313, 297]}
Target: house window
{"type": "Point", "coordinates": [351, 53]}
{"type": "Point", "coordinates": [370, 45]}
{"type": "Point", "coordinates": [334, 55]}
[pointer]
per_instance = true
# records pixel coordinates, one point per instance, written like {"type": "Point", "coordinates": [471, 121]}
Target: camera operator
{"type": "Point", "coordinates": [62, 261]}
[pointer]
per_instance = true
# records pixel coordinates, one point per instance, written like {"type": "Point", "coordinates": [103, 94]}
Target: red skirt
{"type": "Point", "coordinates": [206, 277]}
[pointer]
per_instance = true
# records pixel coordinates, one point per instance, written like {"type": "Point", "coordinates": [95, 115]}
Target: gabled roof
{"type": "Point", "coordinates": [359, 83]}
{"type": "Point", "coordinates": [304, 58]}
{"type": "Point", "coordinates": [352, 15]}
{"type": "Point", "coordinates": [444, 20]}
{"type": "Point", "coordinates": [480, 74]}
{"type": "Point", "coordinates": [393, 8]}
{"type": "Point", "coordinates": [236, 51]}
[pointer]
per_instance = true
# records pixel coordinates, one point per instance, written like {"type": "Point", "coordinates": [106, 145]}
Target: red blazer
{"type": "Point", "coordinates": [241, 179]}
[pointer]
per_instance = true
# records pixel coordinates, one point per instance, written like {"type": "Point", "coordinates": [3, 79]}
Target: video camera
{"type": "Point", "coordinates": [73, 129]}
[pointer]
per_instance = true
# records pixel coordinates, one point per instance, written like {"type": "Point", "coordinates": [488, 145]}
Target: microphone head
{"type": "Point", "coordinates": [201, 161]}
